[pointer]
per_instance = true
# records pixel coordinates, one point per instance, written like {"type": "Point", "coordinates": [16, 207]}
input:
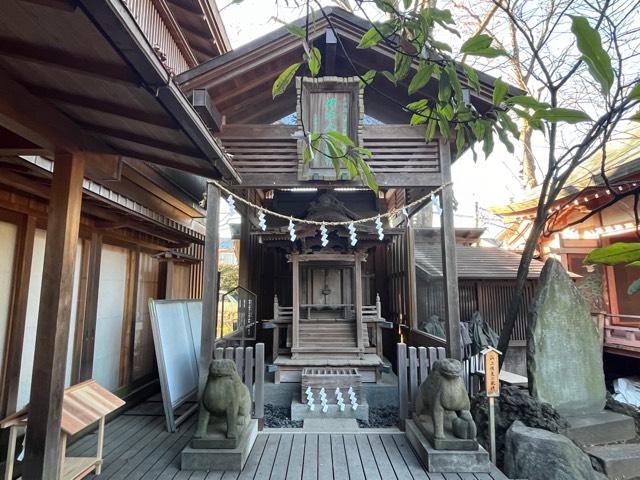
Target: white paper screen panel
{"type": "Point", "coordinates": [173, 338]}
{"type": "Point", "coordinates": [8, 238]}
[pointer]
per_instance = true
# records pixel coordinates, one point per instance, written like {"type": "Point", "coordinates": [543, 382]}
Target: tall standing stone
{"type": "Point", "coordinates": [564, 352]}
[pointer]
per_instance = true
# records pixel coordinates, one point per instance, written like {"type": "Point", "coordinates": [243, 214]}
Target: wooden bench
{"type": "Point", "coordinates": [82, 405]}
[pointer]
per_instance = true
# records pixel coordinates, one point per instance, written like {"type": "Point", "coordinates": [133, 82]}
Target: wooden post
{"type": "Point", "coordinates": [91, 307]}
{"type": "Point", "coordinates": [52, 335]}
{"type": "Point", "coordinates": [449, 268]}
{"type": "Point", "coordinates": [411, 279]}
{"type": "Point", "coordinates": [245, 253]}
{"type": "Point", "coordinates": [15, 335]}
{"type": "Point", "coordinates": [259, 386]}
{"type": "Point", "coordinates": [295, 319]}
{"type": "Point", "coordinates": [210, 293]}
{"type": "Point", "coordinates": [403, 393]}
{"type": "Point", "coordinates": [357, 273]}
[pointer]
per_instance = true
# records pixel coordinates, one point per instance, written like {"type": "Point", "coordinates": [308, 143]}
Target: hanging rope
{"type": "Point", "coordinates": [388, 214]}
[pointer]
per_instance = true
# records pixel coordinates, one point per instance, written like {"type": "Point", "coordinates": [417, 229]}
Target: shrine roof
{"type": "Point", "coordinates": [239, 82]}
{"type": "Point", "coordinates": [490, 263]}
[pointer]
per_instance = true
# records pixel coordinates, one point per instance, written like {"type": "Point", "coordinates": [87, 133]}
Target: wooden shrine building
{"type": "Point", "coordinates": [113, 115]}
{"type": "Point", "coordinates": [327, 304]}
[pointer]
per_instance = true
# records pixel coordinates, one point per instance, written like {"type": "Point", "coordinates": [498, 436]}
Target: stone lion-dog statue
{"type": "Point", "coordinates": [224, 396]}
{"type": "Point", "coordinates": [443, 397]}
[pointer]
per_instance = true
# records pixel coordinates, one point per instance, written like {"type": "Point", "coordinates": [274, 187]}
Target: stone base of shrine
{"type": "Point", "coordinates": [232, 459]}
{"type": "Point", "coordinates": [446, 461]}
{"type": "Point", "coordinates": [301, 411]}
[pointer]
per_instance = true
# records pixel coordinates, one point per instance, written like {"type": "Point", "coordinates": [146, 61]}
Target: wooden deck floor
{"type": "Point", "coordinates": [138, 447]}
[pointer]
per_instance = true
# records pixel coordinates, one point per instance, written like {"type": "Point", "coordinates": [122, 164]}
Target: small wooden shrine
{"type": "Point", "coordinates": [328, 303]}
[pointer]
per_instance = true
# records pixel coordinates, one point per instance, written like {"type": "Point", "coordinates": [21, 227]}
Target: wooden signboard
{"type": "Point", "coordinates": [492, 373]}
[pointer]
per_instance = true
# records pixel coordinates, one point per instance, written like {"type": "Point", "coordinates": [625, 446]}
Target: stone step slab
{"type": "Point", "coordinates": [618, 462]}
{"type": "Point", "coordinates": [601, 428]}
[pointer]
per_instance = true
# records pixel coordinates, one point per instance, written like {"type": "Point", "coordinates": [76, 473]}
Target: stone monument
{"type": "Point", "coordinates": [442, 430]}
{"type": "Point", "coordinates": [564, 360]}
{"type": "Point", "coordinates": [564, 352]}
{"type": "Point", "coordinates": [225, 431]}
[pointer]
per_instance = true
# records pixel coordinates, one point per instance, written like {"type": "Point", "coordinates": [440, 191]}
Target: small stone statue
{"type": "Point", "coordinates": [224, 396]}
{"type": "Point", "coordinates": [444, 399]}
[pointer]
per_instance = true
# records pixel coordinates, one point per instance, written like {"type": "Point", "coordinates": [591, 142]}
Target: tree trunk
{"type": "Point", "coordinates": [528, 171]}
{"type": "Point", "coordinates": [521, 281]}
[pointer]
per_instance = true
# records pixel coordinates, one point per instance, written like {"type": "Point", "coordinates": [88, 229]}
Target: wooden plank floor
{"type": "Point", "coordinates": [138, 447]}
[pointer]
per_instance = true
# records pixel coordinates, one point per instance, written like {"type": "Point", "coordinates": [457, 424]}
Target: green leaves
{"type": "Point", "coordinates": [480, 46]}
{"type": "Point", "coordinates": [527, 102]}
{"type": "Point", "coordinates": [421, 78]}
{"type": "Point", "coordinates": [615, 254]}
{"type": "Point", "coordinates": [597, 59]}
{"type": "Point", "coordinates": [283, 81]}
{"type": "Point", "coordinates": [402, 66]}
{"type": "Point", "coordinates": [634, 94]}
{"type": "Point", "coordinates": [555, 115]}
{"type": "Point", "coordinates": [472, 77]}
{"type": "Point", "coordinates": [368, 78]}
{"type": "Point", "coordinates": [500, 90]}
{"type": "Point", "coordinates": [314, 61]}
{"type": "Point", "coordinates": [634, 287]}
{"type": "Point", "coordinates": [296, 30]}
{"type": "Point", "coordinates": [370, 38]}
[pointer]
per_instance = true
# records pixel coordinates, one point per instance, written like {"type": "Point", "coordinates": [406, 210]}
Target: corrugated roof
{"type": "Point", "coordinates": [474, 262]}
{"type": "Point", "coordinates": [623, 160]}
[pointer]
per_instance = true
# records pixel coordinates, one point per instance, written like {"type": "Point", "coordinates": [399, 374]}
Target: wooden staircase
{"type": "Point", "coordinates": [329, 334]}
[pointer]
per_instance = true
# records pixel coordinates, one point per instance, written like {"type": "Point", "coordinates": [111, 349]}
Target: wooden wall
{"type": "Point", "coordinates": [115, 275]}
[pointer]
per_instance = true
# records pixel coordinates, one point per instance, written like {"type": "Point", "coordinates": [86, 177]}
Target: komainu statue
{"type": "Point", "coordinates": [443, 401]}
{"type": "Point", "coordinates": [224, 397]}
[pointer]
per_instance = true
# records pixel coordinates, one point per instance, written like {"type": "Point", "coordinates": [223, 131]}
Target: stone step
{"type": "Point", "coordinates": [617, 461]}
{"type": "Point", "coordinates": [600, 428]}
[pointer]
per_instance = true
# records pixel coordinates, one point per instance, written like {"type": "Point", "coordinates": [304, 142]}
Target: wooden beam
{"type": "Point", "coordinates": [128, 136]}
{"type": "Point", "coordinates": [20, 296]}
{"type": "Point", "coordinates": [449, 267]}
{"type": "Point", "coordinates": [49, 128]}
{"type": "Point", "coordinates": [201, 101]}
{"type": "Point", "coordinates": [411, 278]}
{"type": "Point", "coordinates": [357, 294]}
{"type": "Point", "coordinates": [104, 106]}
{"type": "Point", "coordinates": [90, 307]}
{"type": "Point", "coordinates": [330, 52]}
{"type": "Point", "coordinates": [55, 57]}
{"type": "Point", "coordinates": [52, 335]}
{"type": "Point", "coordinates": [64, 5]}
{"type": "Point", "coordinates": [210, 290]}
{"type": "Point", "coordinates": [295, 302]}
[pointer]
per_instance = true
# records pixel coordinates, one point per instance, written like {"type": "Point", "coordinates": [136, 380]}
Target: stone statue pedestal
{"type": "Point", "coordinates": [450, 442]}
{"type": "Point", "coordinates": [216, 452]}
{"type": "Point", "coordinates": [445, 461]}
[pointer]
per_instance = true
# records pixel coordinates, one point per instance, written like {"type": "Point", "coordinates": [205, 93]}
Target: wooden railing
{"type": "Point", "coordinates": [267, 155]}
{"type": "Point", "coordinates": [372, 321]}
{"type": "Point", "coordinates": [616, 336]}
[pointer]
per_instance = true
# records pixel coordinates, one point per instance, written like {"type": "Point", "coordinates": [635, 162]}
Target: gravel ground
{"type": "Point", "coordinates": [381, 417]}
{"type": "Point", "coordinates": [278, 417]}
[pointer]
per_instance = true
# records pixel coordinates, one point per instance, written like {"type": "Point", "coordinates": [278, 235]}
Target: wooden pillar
{"type": "Point", "coordinates": [449, 268]}
{"type": "Point", "coordinates": [411, 279]}
{"type": "Point", "coordinates": [245, 254]}
{"type": "Point", "coordinates": [210, 290]}
{"type": "Point", "coordinates": [15, 334]}
{"type": "Point", "coordinates": [91, 307]}
{"type": "Point", "coordinates": [295, 302]}
{"type": "Point", "coordinates": [357, 295]}
{"type": "Point", "coordinates": [52, 335]}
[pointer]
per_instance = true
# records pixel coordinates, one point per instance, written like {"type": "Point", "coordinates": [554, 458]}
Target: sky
{"type": "Point", "coordinates": [489, 182]}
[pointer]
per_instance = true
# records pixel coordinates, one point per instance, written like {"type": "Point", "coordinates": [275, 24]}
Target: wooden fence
{"type": "Point", "coordinates": [414, 366]}
{"type": "Point", "coordinates": [250, 367]}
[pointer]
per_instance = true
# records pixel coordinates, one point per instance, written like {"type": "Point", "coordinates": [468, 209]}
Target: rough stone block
{"type": "Point", "coordinates": [330, 425]}
{"type": "Point", "coordinates": [564, 352]}
{"type": "Point", "coordinates": [538, 454]}
{"type": "Point", "coordinates": [232, 459]}
{"type": "Point", "coordinates": [617, 461]}
{"type": "Point", "coordinates": [444, 461]}
{"type": "Point", "coordinates": [216, 436]}
{"type": "Point", "coordinates": [449, 442]}
{"type": "Point", "coordinates": [600, 428]}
